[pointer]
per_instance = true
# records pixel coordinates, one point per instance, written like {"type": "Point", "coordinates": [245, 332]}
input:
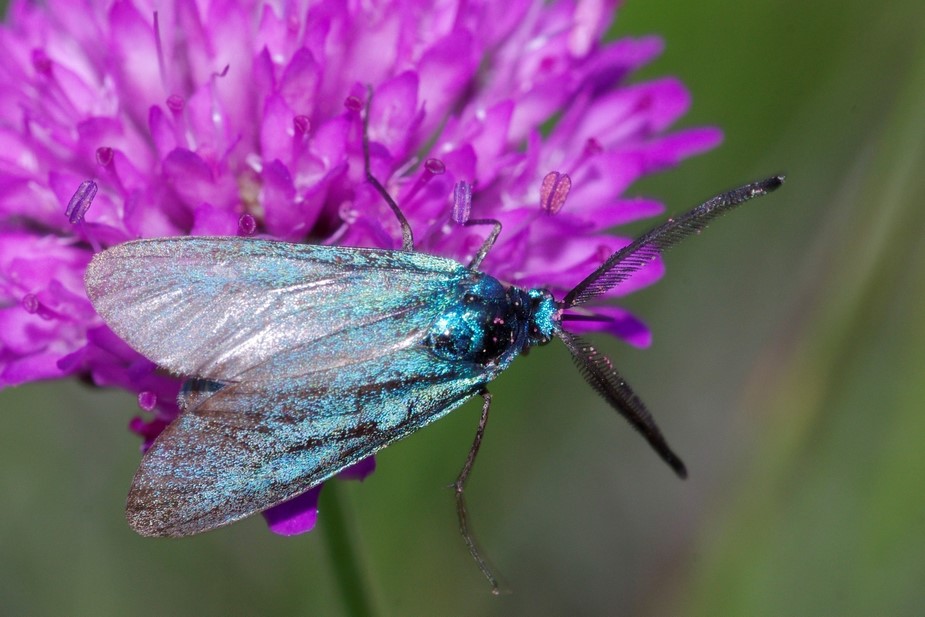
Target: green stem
{"type": "Point", "coordinates": [351, 581]}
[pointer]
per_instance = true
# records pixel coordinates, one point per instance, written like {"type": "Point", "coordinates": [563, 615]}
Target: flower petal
{"type": "Point", "coordinates": [296, 516]}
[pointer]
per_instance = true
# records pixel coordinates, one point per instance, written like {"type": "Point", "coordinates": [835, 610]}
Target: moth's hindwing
{"type": "Point", "coordinates": [257, 443]}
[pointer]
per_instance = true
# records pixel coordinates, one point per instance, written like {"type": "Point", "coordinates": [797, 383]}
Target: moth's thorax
{"type": "Point", "coordinates": [489, 324]}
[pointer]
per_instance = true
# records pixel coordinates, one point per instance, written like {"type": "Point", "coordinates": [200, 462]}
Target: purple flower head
{"type": "Point", "coordinates": [237, 117]}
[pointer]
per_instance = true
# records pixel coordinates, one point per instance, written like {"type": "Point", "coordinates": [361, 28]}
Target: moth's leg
{"type": "Point", "coordinates": [460, 486]}
{"type": "Point", "coordinates": [462, 204]}
{"type": "Point", "coordinates": [489, 241]}
{"type": "Point", "coordinates": [407, 239]}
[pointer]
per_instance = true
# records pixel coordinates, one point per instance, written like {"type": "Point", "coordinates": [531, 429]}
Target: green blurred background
{"type": "Point", "coordinates": [787, 370]}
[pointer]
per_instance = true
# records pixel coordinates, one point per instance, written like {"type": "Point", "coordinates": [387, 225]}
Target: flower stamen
{"type": "Point", "coordinates": [554, 191]}
{"type": "Point", "coordinates": [80, 202]}
{"type": "Point", "coordinates": [247, 225]}
{"type": "Point", "coordinates": [432, 167]}
{"type": "Point", "coordinates": [147, 400]}
{"type": "Point", "coordinates": [462, 202]}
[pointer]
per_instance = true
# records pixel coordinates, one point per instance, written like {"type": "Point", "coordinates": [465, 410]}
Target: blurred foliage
{"type": "Point", "coordinates": [787, 364]}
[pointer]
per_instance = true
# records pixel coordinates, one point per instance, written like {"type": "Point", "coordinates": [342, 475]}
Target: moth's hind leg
{"type": "Point", "coordinates": [407, 239]}
{"type": "Point", "coordinates": [460, 485]}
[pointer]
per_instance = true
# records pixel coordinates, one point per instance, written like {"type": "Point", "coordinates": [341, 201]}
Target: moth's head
{"type": "Point", "coordinates": [544, 315]}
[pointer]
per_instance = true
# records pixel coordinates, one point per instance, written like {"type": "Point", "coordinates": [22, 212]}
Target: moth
{"type": "Point", "coordinates": [305, 359]}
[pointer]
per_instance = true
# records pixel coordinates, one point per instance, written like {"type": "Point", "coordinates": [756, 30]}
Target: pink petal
{"type": "Point", "coordinates": [298, 515]}
{"type": "Point", "coordinates": [359, 470]}
{"type": "Point", "coordinates": [620, 323]}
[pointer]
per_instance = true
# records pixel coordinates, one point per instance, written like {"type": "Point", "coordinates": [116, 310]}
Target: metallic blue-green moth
{"type": "Point", "coordinates": [314, 357]}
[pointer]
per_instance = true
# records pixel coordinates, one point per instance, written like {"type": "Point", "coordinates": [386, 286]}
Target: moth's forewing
{"type": "Point", "coordinates": [219, 307]}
